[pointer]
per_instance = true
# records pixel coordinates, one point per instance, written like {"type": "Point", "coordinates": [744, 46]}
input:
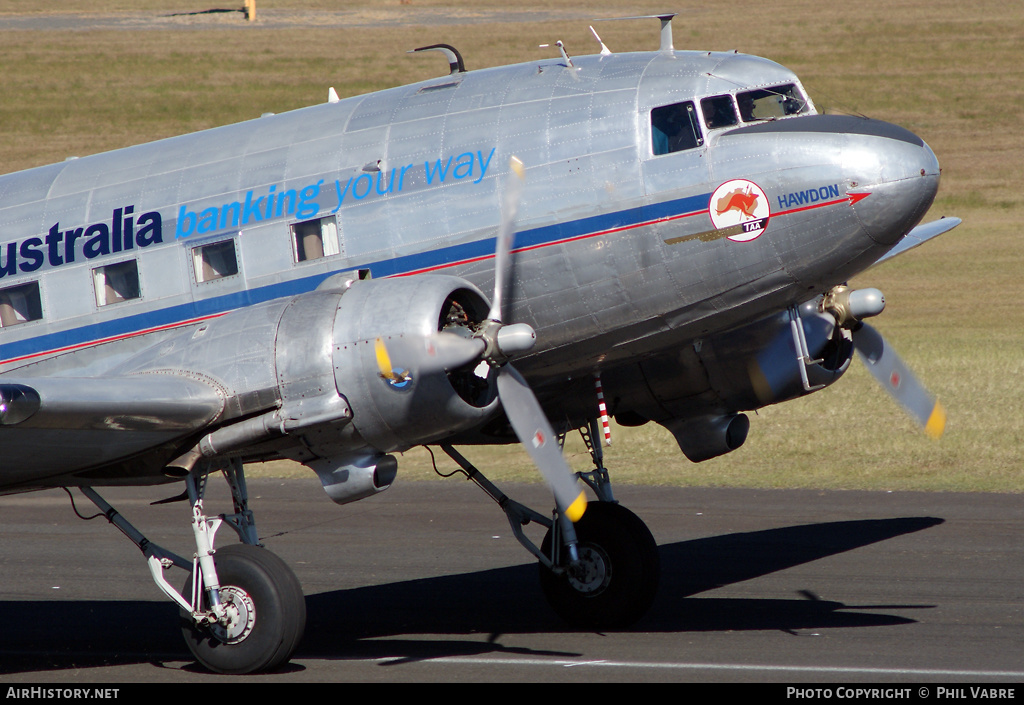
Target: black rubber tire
{"type": "Point", "coordinates": [613, 539]}
{"type": "Point", "coordinates": [279, 607]}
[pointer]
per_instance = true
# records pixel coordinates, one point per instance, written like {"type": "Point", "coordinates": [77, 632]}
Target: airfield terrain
{"type": "Point", "coordinates": [425, 583]}
{"type": "Point", "coordinates": [114, 73]}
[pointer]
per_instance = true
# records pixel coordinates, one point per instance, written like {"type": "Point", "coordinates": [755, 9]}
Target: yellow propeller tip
{"type": "Point", "coordinates": [383, 359]}
{"type": "Point", "coordinates": [517, 166]}
{"type": "Point", "coordinates": [576, 509]}
{"type": "Point", "coordinates": [936, 422]}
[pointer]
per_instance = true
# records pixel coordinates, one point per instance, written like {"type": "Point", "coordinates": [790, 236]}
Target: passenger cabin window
{"type": "Point", "coordinates": [116, 282]}
{"type": "Point", "coordinates": [314, 239]}
{"type": "Point", "coordinates": [719, 111]}
{"type": "Point", "coordinates": [771, 103]}
{"type": "Point", "coordinates": [675, 128]}
{"type": "Point", "coordinates": [20, 304]}
{"type": "Point", "coordinates": [214, 261]}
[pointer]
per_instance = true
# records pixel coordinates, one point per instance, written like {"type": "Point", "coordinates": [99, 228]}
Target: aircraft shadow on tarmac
{"type": "Point", "coordinates": [344, 624]}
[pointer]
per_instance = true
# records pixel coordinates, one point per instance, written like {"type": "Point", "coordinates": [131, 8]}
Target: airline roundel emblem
{"type": "Point", "coordinates": [740, 207]}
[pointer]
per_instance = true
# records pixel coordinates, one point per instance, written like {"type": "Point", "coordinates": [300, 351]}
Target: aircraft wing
{"type": "Point", "coordinates": [920, 235]}
{"type": "Point", "coordinates": [54, 426]}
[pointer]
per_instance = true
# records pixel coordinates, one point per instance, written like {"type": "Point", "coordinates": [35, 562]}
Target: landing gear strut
{"type": "Point", "coordinates": [601, 572]}
{"type": "Point", "coordinates": [242, 609]}
{"type": "Point", "coordinates": [614, 581]}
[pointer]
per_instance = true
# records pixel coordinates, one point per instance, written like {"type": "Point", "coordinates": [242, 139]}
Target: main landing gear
{"type": "Point", "coordinates": [614, 580]}
{"type": "Point", "coordinates": [242, 609]}
{"type": "Point", "coordinates": [264, 613]}
{"type": "Point", "coordinates": [601, 572]}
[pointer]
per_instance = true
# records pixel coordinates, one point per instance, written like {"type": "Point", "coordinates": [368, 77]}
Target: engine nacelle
{"type": "Point", "coordinates": [300, 379]}
{"type": "Point", "coordinates": [776, 371]}
{"type": "Point", "coordinates": [396, 414]}
{"type": "Point", "coordinates": [697, 391]}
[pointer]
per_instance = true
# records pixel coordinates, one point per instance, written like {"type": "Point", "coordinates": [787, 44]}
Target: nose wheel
{"type": "Point", "coordinates": [616, 577]}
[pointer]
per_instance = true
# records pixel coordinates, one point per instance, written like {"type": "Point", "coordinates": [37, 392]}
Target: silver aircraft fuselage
{"type": "Point", "coordinates": [618, 254]}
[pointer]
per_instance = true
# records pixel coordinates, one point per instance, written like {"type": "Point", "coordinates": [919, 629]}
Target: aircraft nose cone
{"type": "Point", "coordinates": [898, 170]}
{"type": "Point", "coordinates": [891, 175]}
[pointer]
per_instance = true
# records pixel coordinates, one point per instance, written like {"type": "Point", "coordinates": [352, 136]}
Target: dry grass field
{"type": "Point", "coordinates": [116, 72]}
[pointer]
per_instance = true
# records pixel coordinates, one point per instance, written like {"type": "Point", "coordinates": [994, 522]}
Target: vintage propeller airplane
{"type": "Point", "coordinates": [671, 230]}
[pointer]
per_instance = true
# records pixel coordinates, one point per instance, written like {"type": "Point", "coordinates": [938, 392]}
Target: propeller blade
{"type": "Point", "coordinates": [506, 233]}
{"type": "Point", "coordinates": [384, 365]}
{"type": "Point", "coordinates": [426, 354]}
{"type": "Point", "coordinates": [446, 351]}
{"type": "Point", "coordinates": [521, 406]}
{"type": "Point", "coordinates": [897, 379]}
{"type": "Point", "coordinates": [538, 438]}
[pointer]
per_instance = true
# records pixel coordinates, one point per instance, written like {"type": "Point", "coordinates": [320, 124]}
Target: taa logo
{"type": "Point", "coordinates": [741, 207]}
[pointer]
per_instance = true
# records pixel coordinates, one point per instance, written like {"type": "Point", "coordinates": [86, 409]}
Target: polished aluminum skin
{"type": "Point", "coordinates": [241, 275]}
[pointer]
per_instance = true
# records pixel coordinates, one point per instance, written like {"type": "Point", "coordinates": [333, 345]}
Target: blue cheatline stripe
{"type": "Point", "coordinates": [433, 259]}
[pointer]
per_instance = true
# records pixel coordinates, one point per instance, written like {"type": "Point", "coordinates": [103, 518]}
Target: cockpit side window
{"type": "Point", "coordinates": [719, 111]}
{"type": "Point", "coordinates": [675, 128]}
{"type": "Point", "coordinates": [771, 103]}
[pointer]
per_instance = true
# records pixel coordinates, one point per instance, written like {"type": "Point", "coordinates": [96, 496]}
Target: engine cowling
{"type": "Point", "coordinates": [412, 409]}
{"type": "Point", "coordinates": [698, 391]}
{"type": "Point", "coordinates": [338, 414]}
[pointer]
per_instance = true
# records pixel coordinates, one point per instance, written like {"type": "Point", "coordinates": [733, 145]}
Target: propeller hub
{"type": "Point", "coordinates": [515, 339]}
{"type": "Point", "coordinates": [850, 306]}
{"type": "Point", "coordinates": [502, 342]}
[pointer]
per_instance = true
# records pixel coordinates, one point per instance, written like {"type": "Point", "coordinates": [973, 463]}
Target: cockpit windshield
{"type": "Point", "coordinates": [771, 103]}
{"type": "Point", "coordinates": [719, 111]}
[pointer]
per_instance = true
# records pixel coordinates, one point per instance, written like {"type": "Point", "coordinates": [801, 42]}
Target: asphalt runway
{"type": "Point", "coordinates": [425, 583]}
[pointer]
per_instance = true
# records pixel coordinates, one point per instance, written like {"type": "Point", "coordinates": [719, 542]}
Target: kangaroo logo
{"type": "Point", "coordinates": [742, 201]}
{"type": "Point", "coordinates": [740, 208]}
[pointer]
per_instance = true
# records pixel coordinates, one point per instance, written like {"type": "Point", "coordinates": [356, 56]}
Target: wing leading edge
{"type": "Point", "coordinates": [51, 427]}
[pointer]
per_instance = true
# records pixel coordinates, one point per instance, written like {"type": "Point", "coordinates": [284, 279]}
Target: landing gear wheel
{"type": "Point", "coordinates": [267, 613]}
{"type": "Point", "coordinates": [619, 570]}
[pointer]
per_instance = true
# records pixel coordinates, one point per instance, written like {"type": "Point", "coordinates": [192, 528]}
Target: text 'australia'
{"type": "Point", "coordinates": [122, 232]}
